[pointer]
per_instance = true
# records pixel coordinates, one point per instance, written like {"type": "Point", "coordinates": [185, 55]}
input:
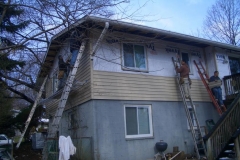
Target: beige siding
{"type": "Point", "coordinates": [124, 86]}
{"type": "Point", "coordinates": [80, 93]}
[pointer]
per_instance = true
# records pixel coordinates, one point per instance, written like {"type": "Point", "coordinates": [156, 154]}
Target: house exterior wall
{"type": "Point", "coordinates": [82, 85]}
{"type": "Point", "coordinates": [98, 106]}
{"type": "Point", "coordinates": [217, 60]}
{"type": "Point", "coordinates": [210, 60]}
{"type": "Point", "coordinates": [84, 130]}
{"type": "Point", "coordinates": [159, 60]}
{"type": "Point", "coordinates": [111, 81]}
{"type": "Point", "coordinates": [125, 86]}
{"type": "Point", "coordinates": [103, 122]}
{"type": "Point", "coordinates": [222, 66]}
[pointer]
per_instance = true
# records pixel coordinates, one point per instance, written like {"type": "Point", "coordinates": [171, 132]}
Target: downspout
{"type": "Point", "coordinates": [95, 127]}
{"type": "Point", "coordinates": [215, 59]}
{"type": "Point", "coordinates": [100, 39]}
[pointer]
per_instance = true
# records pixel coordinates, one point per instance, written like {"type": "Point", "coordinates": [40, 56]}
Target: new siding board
{"type": "Point", "coordinates": [125, 86]}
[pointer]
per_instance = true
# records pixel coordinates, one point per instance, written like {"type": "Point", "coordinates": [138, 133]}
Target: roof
{"type": "Point", "coordinates": [126, 27]}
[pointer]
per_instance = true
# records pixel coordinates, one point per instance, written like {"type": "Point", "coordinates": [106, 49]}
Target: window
{"type": "Point", "coordinates": [55, 82]}
{"type": "Point", "coordinates": [192, 117]}
{"type": "Point", "coordinates": [186, 58]}
{"type": "Point", "coordinates": [72, 121]}
{"type": "Point", "coordinates": [138, 121]}
{"type": "Point", "coordinates": [234, 65]}
{"type": "Point", "coordinates": [134, 57]}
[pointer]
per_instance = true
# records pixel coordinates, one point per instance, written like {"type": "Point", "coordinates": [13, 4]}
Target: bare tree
{"type": "Point", "coordinates": [46, 18]}
{"type": "Point", "coordinates": [223, 22]}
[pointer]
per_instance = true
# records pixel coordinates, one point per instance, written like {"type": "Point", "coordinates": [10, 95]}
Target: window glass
{"type": "Point", "coordinates": [72, 121]}
{"type": "Point", "coordinates": [131, 120]}
{"type": "Point", "coordinates": [143, 120]}
{"type": "Point", "coordinates": [186, 58]}
{"type": "Point", "coordinates": [134, 57]}
{"type": "Point", "coordinates": [234, 65]}
{"type": "Point", "coordinates": [55, 82]}
{"type": "Point", "coordinates": [139, 57]}
{"type": "Point", "coordinates": [138, 121]}
{"type": "Point", "coordinates": [128, 55]}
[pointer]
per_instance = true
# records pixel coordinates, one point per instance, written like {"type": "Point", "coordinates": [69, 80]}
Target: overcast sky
{"type": "Point", "coordinates": [182, 16]}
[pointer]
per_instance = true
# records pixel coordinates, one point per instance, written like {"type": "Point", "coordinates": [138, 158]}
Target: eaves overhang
{"type": "Point", "coordinates": [89, 22]}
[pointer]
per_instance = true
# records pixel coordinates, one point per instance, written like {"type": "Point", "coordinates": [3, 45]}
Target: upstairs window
{"type": "Point", "coordinates": [234, 64]}
{"type": "Point", "coordinates": [72, 120]}
{"type": "Point", "coordinates": [187, 58]}
{"type": "Point", "coordinates": [138, 121]}
{"type": "Point", "coordinates": [134, 57]}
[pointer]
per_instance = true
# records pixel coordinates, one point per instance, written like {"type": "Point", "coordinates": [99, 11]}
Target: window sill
{"type": "Point", "coordinates": [134, 70]}
{"type": "Point", "coordinates": [138, 138]}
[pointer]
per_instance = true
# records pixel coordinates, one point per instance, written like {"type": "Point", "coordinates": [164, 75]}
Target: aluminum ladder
{"type": "Point", "coordinates": [32, 111]}
{"type": "Point", "coordinates": [53, 128]}
{"type": "Point", "coordinates": [204, 77]}
{"type": "Point", "coordinates": [199, 145]}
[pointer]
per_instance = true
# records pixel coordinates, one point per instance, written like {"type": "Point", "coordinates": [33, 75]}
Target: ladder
{"type": "Point", "coordinates": [204, 77]}
{"type": "Point", "coordinates": [199, 145]}
{"type": "Point", "coordinates": [32, 111]}
{"type": "Point", "coordinates": [53, 128]}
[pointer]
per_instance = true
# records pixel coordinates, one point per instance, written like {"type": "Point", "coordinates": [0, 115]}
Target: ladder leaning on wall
{"type": "Point", "coordinates": [204, 77]}
{"type": "Point", "coordinates": [199, 145]}
{"type": "Point", "coordinates": [53, 127]}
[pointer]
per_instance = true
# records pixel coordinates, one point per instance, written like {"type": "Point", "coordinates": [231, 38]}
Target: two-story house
{"type": "Point", "coordinates": [125, 97]}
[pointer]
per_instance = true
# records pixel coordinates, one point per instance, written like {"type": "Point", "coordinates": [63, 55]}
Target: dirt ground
{"type": "Point", "coordinates": [25, 152]}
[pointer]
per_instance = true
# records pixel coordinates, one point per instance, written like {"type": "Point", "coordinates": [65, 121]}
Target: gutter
{"type": "Point", "coordinates": [167, 33]}
{"type": "Point", "coordinates": [148, 29]}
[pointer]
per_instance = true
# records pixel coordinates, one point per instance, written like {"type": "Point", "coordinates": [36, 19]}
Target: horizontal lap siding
{"type": "Point", "coordinates": [79, 93]}
{"type": "Point", "coordinates": [124, 86]}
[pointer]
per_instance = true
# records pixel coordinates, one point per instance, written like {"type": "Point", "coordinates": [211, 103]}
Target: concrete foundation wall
{"type": "Point", "coordinates": [103, 120]}
{"type": "Point", "coordinates": [169, 124]}
{"type": "Point", "coordinates": [83, 130]}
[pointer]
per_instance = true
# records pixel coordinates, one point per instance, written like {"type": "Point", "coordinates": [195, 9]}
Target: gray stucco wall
{"type": "Point", "coordinates": [83, 131]}
{"type": "Point", "coordinates": [103, 121]}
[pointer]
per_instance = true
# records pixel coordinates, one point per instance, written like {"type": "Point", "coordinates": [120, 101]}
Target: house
{"type": "Point", "coordinates": [125, 97]}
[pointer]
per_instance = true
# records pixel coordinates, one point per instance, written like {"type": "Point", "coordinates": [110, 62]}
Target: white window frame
{"type": "Point", "coordinates": [192, 115]}
{"type": "Point", "coordinates": [150, 121]}
{"type": "Point", "coordinates": [190, 61]}
{"type": "Point", "coordinates": [135, 68]}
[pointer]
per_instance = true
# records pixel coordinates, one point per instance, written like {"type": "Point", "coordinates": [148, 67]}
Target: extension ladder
{"type": "Point", "coordinates": [204, 77]}
{"type": "Point", "coordinates": [53, 128]}
{"type": "Point", "coordinates": [32, 111]}
{"type": "Point", "coordinates": [192, 118]}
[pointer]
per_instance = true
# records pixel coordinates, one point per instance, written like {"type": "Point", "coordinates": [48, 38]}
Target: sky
{"type": "Point", "coordinates": [182, 16]}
